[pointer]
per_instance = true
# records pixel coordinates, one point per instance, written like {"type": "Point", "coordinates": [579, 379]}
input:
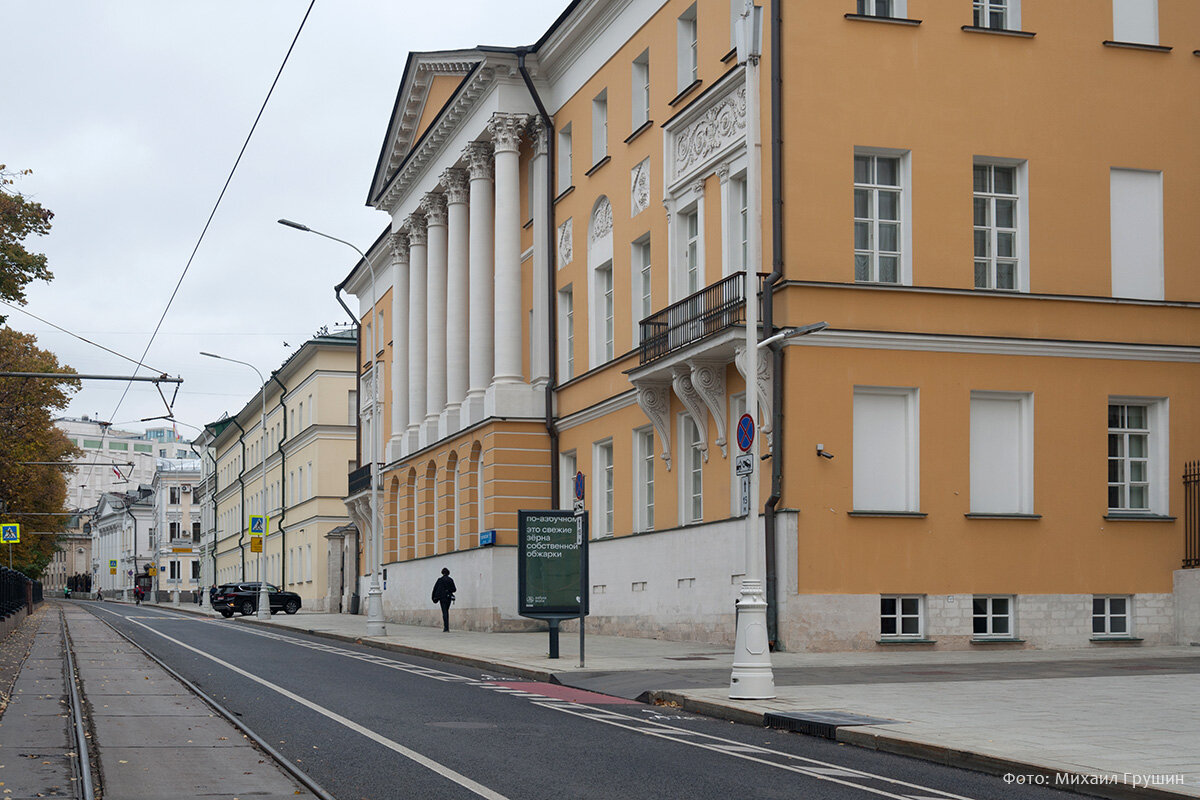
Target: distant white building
{"type": "Point", "coordinates": [176, 530]}
{"type": "Point", "coordinates": [121, 546]}
{"type": "Point", "coordinates": [112, 461]}
{"type": "Point", "coordinates": [169, 444]}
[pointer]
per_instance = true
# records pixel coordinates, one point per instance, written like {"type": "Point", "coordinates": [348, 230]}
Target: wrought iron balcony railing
{"type": "Point", "coordinates": [710, 310]}
{"type": "Point", "coordinates": [360, 480]}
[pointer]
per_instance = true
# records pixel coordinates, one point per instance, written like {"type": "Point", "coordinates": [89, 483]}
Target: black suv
{"type": "Point", "coordinates": [243, 598]}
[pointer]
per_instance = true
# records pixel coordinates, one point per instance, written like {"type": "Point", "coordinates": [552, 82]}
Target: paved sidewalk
{"type": "Point", "coordinates": [1121, 715]}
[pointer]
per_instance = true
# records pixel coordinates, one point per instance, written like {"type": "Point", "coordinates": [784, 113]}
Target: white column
{"type": "Point", "coordinates": [417, 353]}
{"type": "Point", "coordinates": [507, 130]}
{"type": "Point", "coordinates": [434, 208]}
{"type": "Point", "coordinates": [458, 318]}
{"type": "Point", "coordinates": [539, 367]}
{"type": "Point", "coordinates": [480, 265]}
{"type": "Point", "coordinates": [399, 242]}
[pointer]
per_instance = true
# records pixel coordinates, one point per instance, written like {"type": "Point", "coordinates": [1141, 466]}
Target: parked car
{"type": "Point", "coordinates": [243, 598]}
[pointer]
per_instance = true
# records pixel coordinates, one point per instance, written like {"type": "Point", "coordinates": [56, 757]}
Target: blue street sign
{"type": "Point", "coordinates": [257, 525]}
{"type": "Point", "coordinates": [578, 485]}
{"type": "Point", "coordinates": [745, 432]}
{"type": "Point", "coordinates": [10, 533]}
{"type": "Point", "coordinates": [487, 538]}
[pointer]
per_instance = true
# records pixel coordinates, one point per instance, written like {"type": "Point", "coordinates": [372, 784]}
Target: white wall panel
{"type": "Point", "coordinates": [1136, 212]}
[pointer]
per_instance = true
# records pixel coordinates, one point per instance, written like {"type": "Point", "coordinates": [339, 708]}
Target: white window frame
{"type": "Point", "coordinates": [568, 465]}
{"type": "Point", "coordinates": [1019, 231]}
{"type": "Point", "coordinates": [1008, 12]}
{"type": "Point", "coordinates": [599, 127]}
{"type": "Point", "coordinates": [601, 320]}
{"type": "Point", "coordinates": [864, 454]}
{"type": "Point", "coordinates": [640, 85]}
{"type": "Point", "coordinates": [902, 611]}
{"type": "Point", "coordinates": [1135, 21]}
{"type": "Point", "coordinates": [643, 479]}
{"type": "Point", "coordinates": [566, 333]}
{"type": "Point", "coordinates": [892, 8]}
{"type": "Point", "coordinates": [603, 489]}
{"type": "Point", "coordinates": [1022, 439]}
{"type": "Point", "coordinates": [1157, 459]}
{"type": "Point", "coordinates": [640, 262]}
{"type": "Point", "coordinates": [564, 156]}
{"type": "Point", "coordinates": [691, 472]}
{"type": "Point", "coordinates": [1102, 612]}
{"type": "Point", "coordinates": [687, 62]}
{"type": "Point", "coordinates": [691, 251]}
{"type": "Point", "coordinates": [904, 271]}
{"type": "Point", "coordinates": [983, 608]}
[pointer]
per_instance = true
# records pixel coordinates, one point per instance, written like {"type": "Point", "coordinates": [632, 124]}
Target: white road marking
{"type": "Point", "coordinates": [413, 755]}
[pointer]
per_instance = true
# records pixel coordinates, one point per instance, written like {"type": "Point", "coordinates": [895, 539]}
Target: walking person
{"type": "Point", "coordinates": [138, 591]}
{"type": "Point", "coordinates": [443, 594]}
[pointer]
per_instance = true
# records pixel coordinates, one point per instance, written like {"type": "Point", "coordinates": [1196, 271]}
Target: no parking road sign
{"type": "Point", "coordinates": [745, 432]}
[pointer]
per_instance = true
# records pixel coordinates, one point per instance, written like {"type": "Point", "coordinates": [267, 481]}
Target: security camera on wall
{"type": "Point", "coordinates": [823, 453]}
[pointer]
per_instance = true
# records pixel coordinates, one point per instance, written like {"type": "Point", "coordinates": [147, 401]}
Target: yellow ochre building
{"type": "Point", "coordinates": [988, 202]}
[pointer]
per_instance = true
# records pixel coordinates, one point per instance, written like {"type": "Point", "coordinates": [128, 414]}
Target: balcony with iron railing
{"type": "Point", "coordinates": [711, 310]}
{"type": "Point", "coordinates": [360, 480]}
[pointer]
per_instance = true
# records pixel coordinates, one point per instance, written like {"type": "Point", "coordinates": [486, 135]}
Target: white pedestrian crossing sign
{"type": "Point", "coordinates": [10, 533]}
{"type": "Point", "coordinates": [258, 525]}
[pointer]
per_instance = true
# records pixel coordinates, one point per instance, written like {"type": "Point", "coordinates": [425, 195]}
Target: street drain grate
{"type": "Point", "coordinates": [819, 723]}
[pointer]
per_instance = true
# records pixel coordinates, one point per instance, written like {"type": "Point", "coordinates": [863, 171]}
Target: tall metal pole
{"type": "Point", "coordinates": [375, 626]}
{"type": "Point", "coordinates": [264, 598]}
{"type": "Point", "coordinates": [752, 676]}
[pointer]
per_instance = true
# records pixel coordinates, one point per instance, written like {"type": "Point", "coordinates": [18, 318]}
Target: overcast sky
{"type": "Point", "coordinates": [131, 114]}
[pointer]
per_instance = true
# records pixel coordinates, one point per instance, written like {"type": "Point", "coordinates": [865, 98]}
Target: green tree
{"type": "Point", "coordinates": [20, 218]}
{"type": "Point", "coordinates": [29, 491]}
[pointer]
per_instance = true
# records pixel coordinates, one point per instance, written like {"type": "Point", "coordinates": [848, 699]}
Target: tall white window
{"type": "Point", "coordinates": [1136, 220]}
{"type": "Point", "coordinates": [880, 224]}
{"type": "Point", "coordinates": [308, 562]}
{"type": "Point", "coordinates": [568, 465]}
{"type": "Point", "coordinates": [603, 488]}
{"type": "Point", "coordinates": [566, 334]}
{"type": "Point", "coordinates": [640, 79]}
{"type": "Point", "coordinates": [601, 327]}
{"type": "Point", "coordinates": [641, 282]}
{"type": "Point", "coordinates": [643, 479]}
{"type": "Point", "coordinates": [1110, 616]}
{"type": "Point", "coordinates": [1135, 21]}
{"type": "Point", "coordinates": [691, 474]}
{"type": "Point", "coordinates": [687, 54]}
{"type": "Point", "coordinates": [1001, 453]}
{"type": "Point", "coordinates": [901, 616]}
{"type": "Point", "coordinates": [1138, 474]}
{"type": "Point", "coordinates": [886, 449]}
{"type": "Point", "coordinates": [599, 126]}
{"type": "Point", "coordinates": [997, 215]}
{"type": "Point", "coordinates": [564, 158]}
{"type": "Point", "coordinates": [309, 486]}
{"type": "Point", "coordinates": [998, 14]}
{"type": "Point", "coordinates": [691, 250]}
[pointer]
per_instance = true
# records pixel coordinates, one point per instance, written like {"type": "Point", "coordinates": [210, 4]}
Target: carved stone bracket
{"type": "Point", "coordinates": [654, 398]}
{"type": "Point", "coordinates": [708, 379]}
{"type": "Point", "coordinates": [359, 510]}
{"type": "Point", "coordinates": [763, 381]}
{"type": "Point", "coordinates": [682, 382]}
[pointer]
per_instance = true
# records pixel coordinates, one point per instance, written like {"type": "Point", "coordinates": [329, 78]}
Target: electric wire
{"type": "Point", "coordinates": [83, 339]}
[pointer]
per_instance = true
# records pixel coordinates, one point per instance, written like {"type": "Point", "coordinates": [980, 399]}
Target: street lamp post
{"type": "Point", "coordinates": [264, 598]}
{"type": "Point", "coordinates": [375, 626]}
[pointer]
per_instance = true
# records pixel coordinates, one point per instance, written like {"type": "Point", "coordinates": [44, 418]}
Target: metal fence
{"type": "Point", "coordinates": [1191, 515]}
{"type": "Point", "coordinates": [17, 592]}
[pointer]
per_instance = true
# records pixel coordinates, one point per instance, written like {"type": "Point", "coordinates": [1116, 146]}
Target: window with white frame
{"type": "Point", "coordinates": [1001, 453]}
{"type": "Point", "coordinates": [174, 570]}
{"type": "Point", "coordinates": [997, 15]}
{"type": "Point", "coordinates": [739, 226]}
{"type": "Point", "coordinates": [1137, 459]}
{"type": "Point", "coordinates": [195, 570]}
{"type": "Point", "coordinates": [603, 311]}
{"type": "Point", "coordinates": [643, 479]}
{"type": "Point", "coordinates": [885, 452]}
{"type": "Point", "coordinates": [1110, 616]}
{"type": "Point", "coordinates": [568, 465]}
{"type": "Point", "coordinates": [640, 262]}
{"type": "Point", "coordinates": [603, 488]}
{"type": "Point", "coordinates": [1136, 233]}
{"type": "Point", "coordinates": [1135, 21]}
{"type": "Point", "coordinates": [992, 617]}
{"type": "Point", "coordinates": [599, 126]}
{"type": "Point", "coordinates": [564, 158]}
{"type": "Point", "coordinates": [309, 488]}
{"type": "Point", "coordinates": [996, 214]}
{"type": "Point", "coordinates": [691, 473]}
{"type": "Point", "coordinates": [883, 8]}
{"type": "Point", "coordinates": [690, 252]}
{"type": "Point", "coordinates": [901, 616]}
{"type": "Point", "coordinates": [566, 334]}
{"type": "Point", "coordinates": [880, 224]}
{"type": "Point", "coordinates": [687, 54]}
{"type": "Point", "coordinates": [640, 79]}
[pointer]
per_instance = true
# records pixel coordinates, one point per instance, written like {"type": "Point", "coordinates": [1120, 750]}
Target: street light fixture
{"type": "Point", "coordinates": [375, 626]}
{"type": "Point", "coordinates": [264, 599]}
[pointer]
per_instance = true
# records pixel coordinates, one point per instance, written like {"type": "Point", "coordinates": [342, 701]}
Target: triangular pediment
{"type": "Point", "coordinates": [429, 82]}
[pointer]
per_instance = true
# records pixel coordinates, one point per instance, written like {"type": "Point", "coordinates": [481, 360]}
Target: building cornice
{"type": "Point", "coordinates": [997, 345]}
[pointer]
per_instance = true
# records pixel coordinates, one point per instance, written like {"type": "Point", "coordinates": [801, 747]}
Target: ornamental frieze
{"type": "Point", "coordinates": [719, 127]}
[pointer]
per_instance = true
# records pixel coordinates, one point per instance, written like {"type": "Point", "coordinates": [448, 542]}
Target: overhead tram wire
{"type": "Point", "coordinates": [83, 339]}
{"type": "Point", "coordinates": [140, 363]}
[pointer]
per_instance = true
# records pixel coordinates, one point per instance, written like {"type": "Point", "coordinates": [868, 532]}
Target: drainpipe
{"type": "Point", "coordinates": [769, 517]}
{"type": "Point", "coordinates": [551, 292]}
{"type": "Point", "coordinates": [337, 292]}
{"type": "Point", "coordinates": [282, 482]}
{"type": "Point", "coordinates": [241, 542]}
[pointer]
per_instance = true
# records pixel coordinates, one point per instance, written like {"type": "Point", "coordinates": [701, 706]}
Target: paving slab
{"type": "Point", "coordinates": [137, 773]}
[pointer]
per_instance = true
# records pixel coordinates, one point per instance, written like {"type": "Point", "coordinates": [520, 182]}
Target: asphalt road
{"type": "Point", "coordinates": [364, 723]}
